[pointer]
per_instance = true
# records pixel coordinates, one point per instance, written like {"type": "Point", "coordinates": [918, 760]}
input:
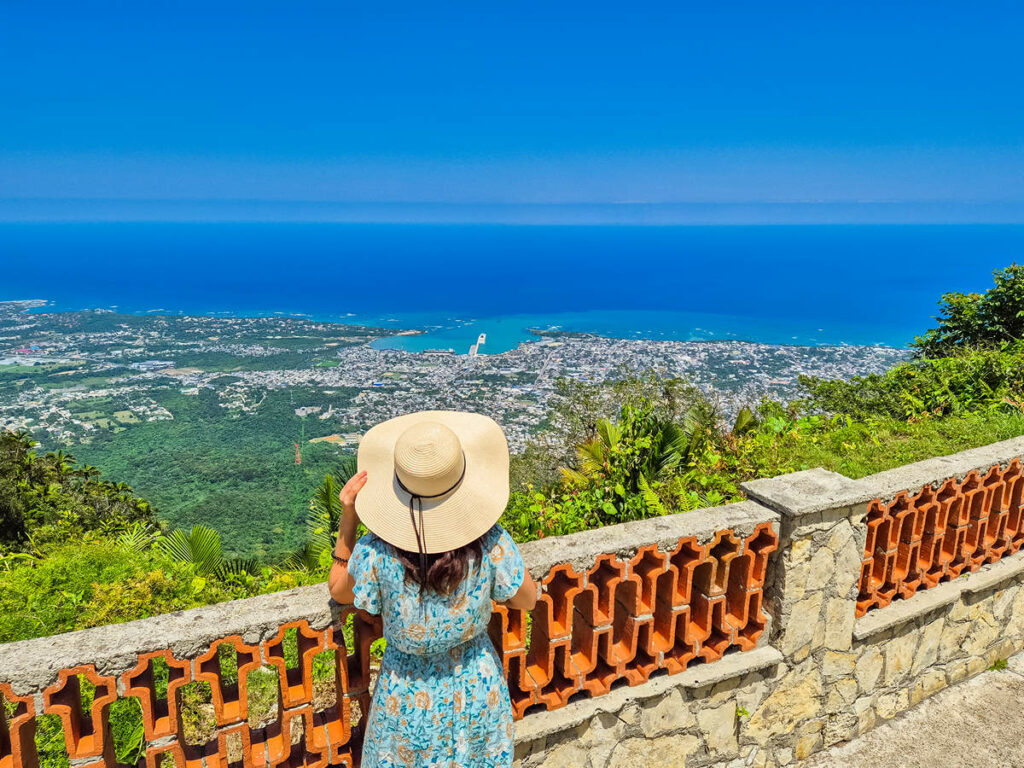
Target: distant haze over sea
{"type": "Point", "coordinates": [789, 284]}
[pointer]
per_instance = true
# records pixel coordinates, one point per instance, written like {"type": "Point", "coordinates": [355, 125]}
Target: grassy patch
{"type": "Point", "coordinates": [860, 449]}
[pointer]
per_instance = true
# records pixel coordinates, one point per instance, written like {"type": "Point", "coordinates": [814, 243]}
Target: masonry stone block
{"type": "Point", "coordinates": [840, 616]}
{"type": "Point", "coordinates": [803, 623]}
{"type": "Point", "coordinates": [660, 752]}
{"type": "Point", "coordinates": [719, 728]}
{"type": "Point", "coordinates": [952, 639]}
{"type": "Point", "coordinates": [569, 755]}
{"type": "Point", "coordinates": [933, 681]}
{"type": "Point", "coordinates": [928, 649]}
{"type": "Point", "coordinates": [668, 714]}
{"type": "Point", "coordinates": [899, 656]}
{"type": "Point", "coordinates": [795, 699]}
{"type": "Point", "coordinates": [836, 665]}
{"type": "Point", "coordinates": [822, 569]}
{"type": "Point", "coordinates": [869, 668]}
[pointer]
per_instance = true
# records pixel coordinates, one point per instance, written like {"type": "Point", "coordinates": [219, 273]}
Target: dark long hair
{"type": "Point", "coordinates": [445, 570]}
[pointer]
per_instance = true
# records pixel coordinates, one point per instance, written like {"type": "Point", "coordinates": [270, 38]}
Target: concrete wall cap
{"type": "Point", "coordinates": [803, 493]}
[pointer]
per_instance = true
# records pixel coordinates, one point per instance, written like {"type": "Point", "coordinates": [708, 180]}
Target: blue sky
{"type": "Point", "coordinates": [298, 105]}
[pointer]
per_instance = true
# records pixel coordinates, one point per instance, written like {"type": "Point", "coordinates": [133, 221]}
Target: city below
{"type": "Point", "coordinates": [67, 377]}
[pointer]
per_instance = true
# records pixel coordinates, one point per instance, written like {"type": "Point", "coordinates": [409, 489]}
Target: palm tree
{"type": "Point", "coordinates": [62, 461]}
{"type": "Point", "coordinates": [200, 547]}
{"type": "Point", "coordinates": [646, 448]}
{"type": "Point", "coordinates": [87, 471]}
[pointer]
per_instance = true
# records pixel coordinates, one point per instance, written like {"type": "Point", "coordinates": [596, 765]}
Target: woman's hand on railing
{"type": "Point", "coordinates": [525, 599]}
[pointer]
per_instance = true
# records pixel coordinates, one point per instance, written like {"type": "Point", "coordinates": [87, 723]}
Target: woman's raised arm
{"type": "Point", "coordinates": [340, 582]}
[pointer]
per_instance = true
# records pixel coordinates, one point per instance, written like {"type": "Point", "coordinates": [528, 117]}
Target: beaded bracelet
{"type": "Point", "coordinates": [338, 558]}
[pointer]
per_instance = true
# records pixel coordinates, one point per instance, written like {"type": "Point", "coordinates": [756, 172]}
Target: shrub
{"type": "Point", "coordinates": [978, 319]}
{"type": "Point", "coordinates": [650, 460]}
{"type": "Point", "coordinates": [969, 380]}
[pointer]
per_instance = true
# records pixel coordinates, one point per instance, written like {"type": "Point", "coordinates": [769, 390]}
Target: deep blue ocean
{"type": "Point", "coordinates": [831, 284]}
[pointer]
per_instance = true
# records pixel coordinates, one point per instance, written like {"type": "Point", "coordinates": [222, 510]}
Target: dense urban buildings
{"type": "Point", "coordinates": [68, 376]}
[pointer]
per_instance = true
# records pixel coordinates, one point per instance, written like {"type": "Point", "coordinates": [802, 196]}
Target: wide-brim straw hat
{"type": "Point", "coordinates": [452, 465]}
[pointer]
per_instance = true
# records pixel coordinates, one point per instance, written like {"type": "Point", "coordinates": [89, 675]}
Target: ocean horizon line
{"type": "Point", "coordinates": [556, 213]}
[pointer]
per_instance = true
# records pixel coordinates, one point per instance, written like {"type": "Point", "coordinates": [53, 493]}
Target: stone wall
{"type": "Point", "coordinates": [742, 635]}
{"type": "Point", "coordinates": [828, 674]}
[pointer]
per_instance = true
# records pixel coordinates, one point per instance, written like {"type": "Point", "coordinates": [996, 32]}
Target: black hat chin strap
{"type": "Point", "coordinates": [421, 534]}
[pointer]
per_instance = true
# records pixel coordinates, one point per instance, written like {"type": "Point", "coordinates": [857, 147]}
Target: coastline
{"type": "Point", "coordinates": [391, 336]}
{"type": "Point", "coordinates": [545, 333]}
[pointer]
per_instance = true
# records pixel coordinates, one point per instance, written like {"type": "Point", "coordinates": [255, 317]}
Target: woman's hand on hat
{"type": "Point", "coordinates": [351, 490]}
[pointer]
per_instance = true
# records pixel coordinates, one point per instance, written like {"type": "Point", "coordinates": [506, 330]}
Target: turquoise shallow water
{"type": "Point", "coordinates": [872, 284]}
{"type": "Point", "coordinates": [506, 332]}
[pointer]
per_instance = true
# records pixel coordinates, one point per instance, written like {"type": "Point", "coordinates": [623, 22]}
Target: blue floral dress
{"type": "Point", "coordinates": [441, 699]}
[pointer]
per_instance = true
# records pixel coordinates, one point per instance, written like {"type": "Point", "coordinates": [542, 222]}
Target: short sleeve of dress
{"type": "Point", "coordinates": [364, 566]}
{"type": "Point", "coordinates": [509, 570]}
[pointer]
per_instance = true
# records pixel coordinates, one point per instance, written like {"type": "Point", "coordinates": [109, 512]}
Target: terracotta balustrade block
{"type": "Point", "coordinates": [522, 687]}
{"type": "Point", "coordinates": [644, 663]}
{"type": "Point", "coordinates": [648, 565]}
{"type": "Point", "coordinates": [555, 638]}
{"type": "Point", "coordinates": [720, 635]}
{"type": "Point", "coordinates": [192, 755]}
{"type": "Point", "coordinates": [296, 683]}
{"type": "Point", "coordinates": [755, 624]}
{"type": "Point", "coordinates": [85, 734]}
{"type": "Point", "coordinates": [156, 756]}
{"type": "Point", "coordinates": [584, 635]}
{"type": "Point", "coordinates": [760, 544]}
{"type": "Point", "coordinates": [306, 752]}
{"type": "Point", "coordinates": [17, 731]}
{"type": "Point", "coordinates": [560, 587]}
{"type": "Point", "coordinates": [722, 550]}
{"type": "Point", "coordinates": [507, 630]}
{"type": "Point", "coordinates": [334, 723]}
{"type": "Point", "coordinates": [686, 557]}
{"type": "Point", "coordinates": [605, 576]}
{"type": "Point", "coordinates": [919, 541]}
{"type": "Point", "coordinates": [159, 713]}
{"type": "Point", "coordinates": [540, 659]}
{"type": "Point", "coordinates": [563, 679]}
{"type": "Point", "coordinates": [866, 593]}
{"type": "Point", "coordinates": [230, 698]}
{"type": "Point", "coordinates": [684, 644]}
{"type": "Point", "coordinates": [366, 630]}
{"type": "Point", "coordinates": [218, 751]}
{"type": "Point", "coordinates": [662, 633]}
